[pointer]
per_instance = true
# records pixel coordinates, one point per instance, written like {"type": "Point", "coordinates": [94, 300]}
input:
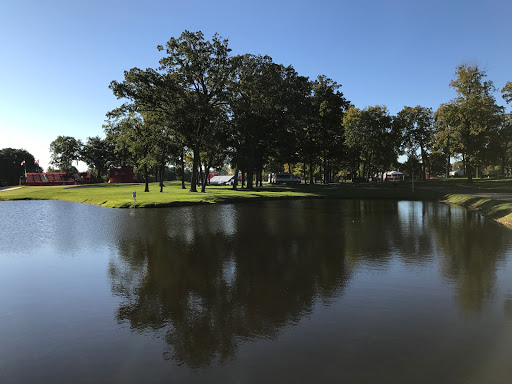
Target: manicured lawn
{"type": "Point", "coordinates": [120, 195]}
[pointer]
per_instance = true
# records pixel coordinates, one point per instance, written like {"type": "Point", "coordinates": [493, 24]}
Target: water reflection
{"type": "Point", "coordinates": [471, 249]}
{"type": "Point", "coordinates": [208, 278]}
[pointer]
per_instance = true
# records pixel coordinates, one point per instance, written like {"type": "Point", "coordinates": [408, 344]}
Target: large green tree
{"type": "Point", "coordinates": [370, 132]}
{"type": "Point", "coordinates": [97, 153]}
{"type": "Point", "coordinates": [64, 150]}
{"type": "Point", "coordinates": [137, 136]}
{"type": "Point", "coordinates": [507, 92]}
{"type": "Point", "coordinates": [473, 116]}
{"type": "Point", "coordinates": [329, 106]}
{"type": "Point", "coordinates": [201, 69]}
{"type": "Point", "coordinates": [417, 127]}
{"type": "Point", "coordinates": [265, 103]}
{"type": "Point", "coordinates": [11, 167]}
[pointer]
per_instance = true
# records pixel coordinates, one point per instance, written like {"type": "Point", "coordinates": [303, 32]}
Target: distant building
{"type": "Point", "coordinates": [121, 175]}
{"type": "Point", "coordinates": [57, 178]}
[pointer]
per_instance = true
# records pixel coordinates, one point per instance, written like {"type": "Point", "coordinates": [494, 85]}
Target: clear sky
{"type": "Point", "coordinates": [58, 57]}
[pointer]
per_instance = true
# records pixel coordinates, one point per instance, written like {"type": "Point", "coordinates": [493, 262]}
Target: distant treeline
{"type": "Point", "coordinates": [203, 109]}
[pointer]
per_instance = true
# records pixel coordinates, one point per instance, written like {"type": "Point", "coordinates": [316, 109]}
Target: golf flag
{"type": "Point", "coordinates": [23, 162]}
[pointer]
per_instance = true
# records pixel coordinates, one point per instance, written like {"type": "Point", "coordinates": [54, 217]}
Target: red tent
{"type": "Point", "coordinates": [121, 175]}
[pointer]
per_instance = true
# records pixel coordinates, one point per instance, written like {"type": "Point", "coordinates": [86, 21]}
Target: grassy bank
{"type": "Point", "coordinates": [483, 195]}
{"type": "Point", "coordinates": [498, 210]}
{"type": "Point", "coordinates": [120, 195]}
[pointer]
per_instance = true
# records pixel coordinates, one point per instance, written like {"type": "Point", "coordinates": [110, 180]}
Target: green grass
{"type": "Point", "coordinates": [120, 195]}
{"type": "Point", "coordinates": [478, 185]}
{"type": "Point", "coordinates": [500, 211]}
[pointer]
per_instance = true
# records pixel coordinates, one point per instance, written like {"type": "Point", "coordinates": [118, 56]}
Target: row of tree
{"type": "Point", "coordinates": [245, 110]}
{"type": "Point", "coordinates": [214, 109]}
{"type": "Point", "coordinates": [97, 153]}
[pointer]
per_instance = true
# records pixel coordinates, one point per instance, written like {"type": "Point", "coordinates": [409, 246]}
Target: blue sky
{"type": "Point", "coordinates": [58, 57]}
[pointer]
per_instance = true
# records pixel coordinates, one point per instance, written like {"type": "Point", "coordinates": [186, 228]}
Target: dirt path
{"type": "Point", "coordinates": [9, 189]}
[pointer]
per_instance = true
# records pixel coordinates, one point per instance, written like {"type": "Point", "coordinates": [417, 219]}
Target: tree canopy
{"type": "Point", "coordinates": [473, 117]}
{"type": "Point", "coordinates": [11, 167]}
{"type": "Point", "coordinates": [64, 150]}
{"type": "Point", "coordinates": [201, 108]}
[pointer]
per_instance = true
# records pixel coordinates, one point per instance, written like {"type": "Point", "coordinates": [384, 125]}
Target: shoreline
{"type": "Point", "coordinates": [109, 196]}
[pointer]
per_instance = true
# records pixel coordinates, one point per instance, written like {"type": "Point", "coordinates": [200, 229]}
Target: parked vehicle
{"type": "Point", "coordinates": [283, 178]}
{"type": "Point", "coordinates": [393, 176]}
{"type": "Point", "coordinates": [456, 173]}
{"type": "Point", "coordinates": [222, 180]}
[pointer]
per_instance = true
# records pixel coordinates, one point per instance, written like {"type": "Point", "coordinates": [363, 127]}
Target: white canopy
{"type": "Point", "coordinates": [221, 179]}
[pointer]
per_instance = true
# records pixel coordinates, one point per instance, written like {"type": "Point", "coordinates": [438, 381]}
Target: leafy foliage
{"type": "Point", "coordinates": [11, 168]}
{"type": "Point", "coordinates": [473, 118]}
{"type": "Point", "coordinates": [65, 150]}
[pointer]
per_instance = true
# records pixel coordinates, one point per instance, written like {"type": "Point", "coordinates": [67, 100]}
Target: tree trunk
{"type": "Point", "coordinates": [469, 168]}
{"type": "Point", "coordinates": [206, 176]}
{"type": "Point", "coordinates": [162, 178]}
{"type": "Point", "coordinates": [235, 181]}
{"type": "Point", "coordinates": [304, 174]}
{"type": "Point", "coordinates": [250, 177]}
{"type": "Point", "coordinates": [243, 178]}
{"type": "Point", "coordinates": [201, 174]}
{"type": "Point", "coordinates": [311, 178]}
{"type": "Point", "coordinates": [182, 170]}
{"type": "Point", "coordinates": [448, 165]}
{"type": "Point", "coordinates": [146, 176]}
{"type": "Point", "coordinates": [193, 182]}
{"type": "Point", "coordinates": [423, 163]}
{"type": "Point", "coordinates": [325, 170]}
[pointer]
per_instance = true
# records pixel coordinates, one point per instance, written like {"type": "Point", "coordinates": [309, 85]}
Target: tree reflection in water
{"type": "Point", "coordinates": [210, 278]}
{"type": "Point", "coordinates": [471, 250]}
{"type": "Point", "coordinates": [215, 276]}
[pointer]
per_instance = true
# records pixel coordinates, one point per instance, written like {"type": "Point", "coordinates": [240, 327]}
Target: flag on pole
{"type": "Point", "coordinates": [36, 162]}
{"type": "Point", "coordinates": [23, 162]}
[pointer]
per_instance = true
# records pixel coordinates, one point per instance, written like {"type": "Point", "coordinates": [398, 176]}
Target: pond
{"type": "Point", "coordinates": [278, 291]}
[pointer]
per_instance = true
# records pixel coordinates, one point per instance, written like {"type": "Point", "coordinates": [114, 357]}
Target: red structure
{"type": "Point", "coordinates": [121, 175]}
{"type": "Point", "coordinates": [210, 175]}
{"type": "Point", "coordinates": [57, 178]}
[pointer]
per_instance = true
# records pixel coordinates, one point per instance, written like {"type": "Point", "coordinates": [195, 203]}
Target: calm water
{"type": "Point", "coordinates": [274, 292]}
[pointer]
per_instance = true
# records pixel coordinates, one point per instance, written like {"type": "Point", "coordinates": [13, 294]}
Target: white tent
{"type": "Point", "coordinates": [393, 176]}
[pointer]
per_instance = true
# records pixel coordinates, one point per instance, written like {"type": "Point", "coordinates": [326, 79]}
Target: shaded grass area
{"type": "Point", "coordinates": [461, 184]}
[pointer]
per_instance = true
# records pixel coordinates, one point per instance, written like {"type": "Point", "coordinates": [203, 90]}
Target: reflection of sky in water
{"type": "Point", "coordinates": [410, 214]}
{"type": "Point", "coordinates": [227, 219]}
{"type": "Point", "coordinates": [229, 272]}
{"type": "Point", "coordinates": [508, 306]}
